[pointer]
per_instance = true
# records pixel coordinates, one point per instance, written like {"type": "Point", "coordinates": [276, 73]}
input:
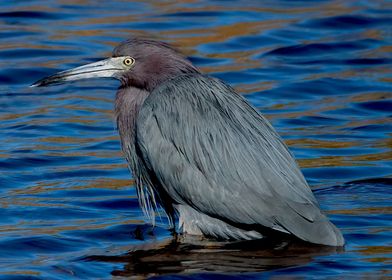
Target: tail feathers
{"type": "Point", "coordinates": [320, 231]}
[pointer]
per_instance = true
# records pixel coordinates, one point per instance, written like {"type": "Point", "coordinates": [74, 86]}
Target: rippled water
{"type": "Point", "coordinates": [319, 70]}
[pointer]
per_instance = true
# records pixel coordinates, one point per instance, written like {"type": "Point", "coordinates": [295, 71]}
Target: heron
{"type": "Point", "coordinates": [201, 152]}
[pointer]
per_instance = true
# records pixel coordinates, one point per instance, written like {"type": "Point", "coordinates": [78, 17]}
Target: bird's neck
{"type": "Point", "coordinates": [127, 106]}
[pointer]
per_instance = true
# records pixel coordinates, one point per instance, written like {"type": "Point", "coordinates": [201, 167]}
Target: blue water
{"type": "Point", "coordinates": [319, 70]}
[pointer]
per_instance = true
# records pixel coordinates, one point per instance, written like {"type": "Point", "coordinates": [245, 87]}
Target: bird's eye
{"type": "Point", "coordinates": [129, 61]}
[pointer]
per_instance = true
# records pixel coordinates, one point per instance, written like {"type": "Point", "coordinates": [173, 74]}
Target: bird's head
{"type": "Point", "coordinates": [136, 62]}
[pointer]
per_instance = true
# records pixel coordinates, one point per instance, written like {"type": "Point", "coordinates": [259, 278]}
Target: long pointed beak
{"type": "Point", "coordinates": [108, 68]}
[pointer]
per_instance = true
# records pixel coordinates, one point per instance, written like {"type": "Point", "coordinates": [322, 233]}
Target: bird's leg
{"type": "Point", "coordinates": [173, 232]}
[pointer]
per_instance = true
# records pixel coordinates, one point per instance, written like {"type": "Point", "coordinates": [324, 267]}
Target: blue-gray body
{"type": "Point", "coordinates": [197, 147]}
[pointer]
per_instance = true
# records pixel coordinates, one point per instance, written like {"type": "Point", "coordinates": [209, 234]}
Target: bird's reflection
{"type": "Point", "coordinates": [179, 255]}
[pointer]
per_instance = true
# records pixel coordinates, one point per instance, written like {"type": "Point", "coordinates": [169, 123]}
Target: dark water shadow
{"type": "Point", "coordinates": [179, 256]}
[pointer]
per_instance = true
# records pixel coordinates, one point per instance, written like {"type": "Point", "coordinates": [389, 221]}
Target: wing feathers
{"type": "Point", "coordinates": [212, 151]}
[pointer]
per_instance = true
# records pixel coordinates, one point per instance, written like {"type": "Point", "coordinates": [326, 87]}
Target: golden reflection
{"type": "Point", "coordinates": [327, 161]}
{"type": "Point", "coordinates": [113, 184]}
{"type": "Point", "coordinates": [48, 187]}
{"type": "Point", "coordinates": [386, 79]}
{"type": "Point", "coordinates": [30, 45]}
{"type": "Point", "coordinates": [384, 143]}
{"type": "Point", "coordinates": [86, 97]}
{"type": "Point", "coordinates": [364, 211]}
{"type": "Point", "coordinates": [78, 33]}
{"type": "Point", "coordinates": [21, 272]}
{"type": "Point", "coordinates": [384, 49]}
{"type": "Point", "coordinates": [233, 66]}
{"type": "Point", "coordinates": [112, 20]}
{"type": "Point", "coordinates": [223, 33]}
{"type": "Point", "coordinates": [249, 88]}
{"type": "Point", "coordinates": [330, 104]}
{"type": "Point", "coordinates": [372, 34]}
{"type": "Point", "coordinates": [368, 96]}
{"type": "Point", "coordinates": [37, 227]}
{"type": "Point", "coordinates": [371, 250]}
{"type": "Point", "coordinates": [46, 121]}
{"type": "Point", "coordinates": [100, 154]}
{"type": "Point", "coordinates": [334, 161]}
{"type": "Point", "coordinates": [88, 109]}
{"type": "Point", "coordinates": [358, 72]}
{"type": "Point", "coordinates": [75, 140]}
{"type": "Point", "coordinates": [330, 8]}
{"type": "Point", "coordinates": [103, 166]}
{"type": "Point", "coordinates": [37, 111]}
{"type": "Point", "coordinates": [321, 144]}
{"type": "Point", "coordinates": [384, 156]}
{"type": "Point", "coordinates": [377, 250]}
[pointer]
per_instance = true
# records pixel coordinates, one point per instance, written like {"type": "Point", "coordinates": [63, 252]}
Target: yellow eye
{"type": "Point", "coordinates": [128, 61]}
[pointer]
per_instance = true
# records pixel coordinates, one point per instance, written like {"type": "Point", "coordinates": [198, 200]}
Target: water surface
{"type": "Point", "coordinates": [319, 70]}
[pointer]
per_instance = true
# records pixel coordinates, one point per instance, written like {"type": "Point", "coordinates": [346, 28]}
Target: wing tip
{"type": "Point", "coordinates": [327, 234]}
{"type": "Point", "coordinates": [320, 231]}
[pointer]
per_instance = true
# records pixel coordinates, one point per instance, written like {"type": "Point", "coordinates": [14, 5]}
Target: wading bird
{"type": "Point", "coordinates": [201, 151]}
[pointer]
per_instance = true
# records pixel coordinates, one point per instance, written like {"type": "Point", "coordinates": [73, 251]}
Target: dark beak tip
{"type": "Point", "coordinates": [42, 83]}
{"type": "Point", "coordinates": [39, 83]}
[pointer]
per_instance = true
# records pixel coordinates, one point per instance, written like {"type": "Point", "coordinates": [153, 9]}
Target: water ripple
{"type": "Point", "coordinates": [319, 70]}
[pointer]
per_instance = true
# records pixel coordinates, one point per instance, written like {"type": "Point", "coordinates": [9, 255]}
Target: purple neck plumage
{"type": "Point", "coordinates": [127, 106]}
{"type": "Point", "coordinates": [155, 63]}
